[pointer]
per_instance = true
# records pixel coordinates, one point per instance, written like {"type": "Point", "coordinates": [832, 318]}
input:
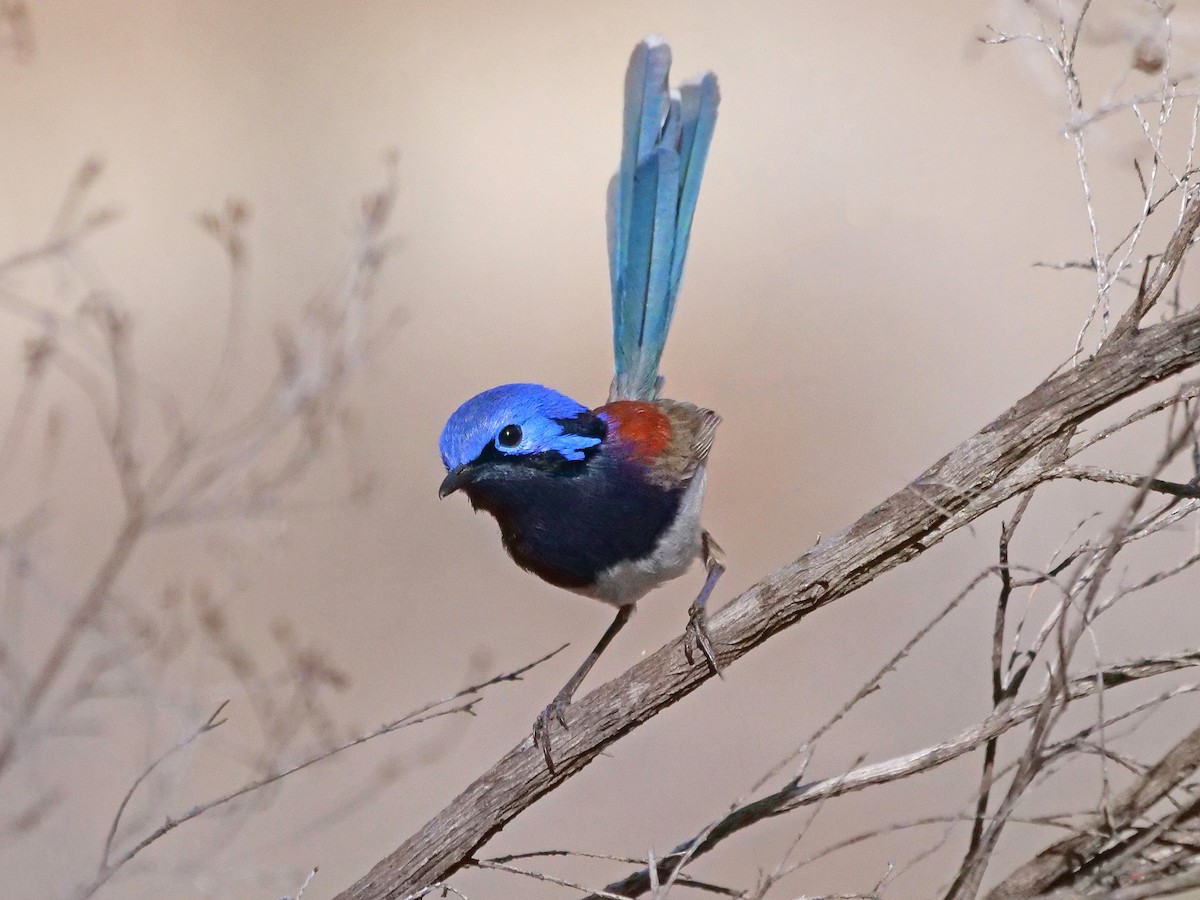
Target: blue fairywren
{"type": "Point", "coordinates": [606, 502]}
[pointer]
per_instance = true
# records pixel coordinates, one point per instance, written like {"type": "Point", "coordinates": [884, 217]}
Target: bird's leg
{"type": "Point", "coordinates": [696, 634]}
{"type": "Point", "coordinates": [558, 706]}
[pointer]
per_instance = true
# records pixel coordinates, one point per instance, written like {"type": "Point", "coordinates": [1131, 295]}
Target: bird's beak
{"type": "Point", "coordinates": [459, 476]}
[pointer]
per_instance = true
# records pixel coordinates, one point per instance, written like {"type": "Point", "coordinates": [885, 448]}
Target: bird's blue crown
{"type": "Point", "coordinates": [535, 411]}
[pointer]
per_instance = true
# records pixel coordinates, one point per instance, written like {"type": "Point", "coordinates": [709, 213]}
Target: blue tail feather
{"type": "Point", "coordinates": [699, 109]}
{"type": "Point", "coordinates": [651, 204]}
{"type": "Point", "coordinates": [645, 110]}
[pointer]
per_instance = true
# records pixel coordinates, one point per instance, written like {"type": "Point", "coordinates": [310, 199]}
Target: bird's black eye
{"type": "Point", "coordinates": [510, 436]}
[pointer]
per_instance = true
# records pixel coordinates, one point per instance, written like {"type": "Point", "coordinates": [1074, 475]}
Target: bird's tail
{"type": "Point", "coordinates": [651, 201]}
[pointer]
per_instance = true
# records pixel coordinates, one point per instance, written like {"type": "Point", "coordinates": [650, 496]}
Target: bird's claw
{"type": "Point", "coordinates": [695, 637]}
{"type": "Point", "coordinates": [541, 726]}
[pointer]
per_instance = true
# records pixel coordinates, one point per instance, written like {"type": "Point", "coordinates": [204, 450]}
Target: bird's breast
{"type": "Point", "coordinates": [608, 532]}
{"type": "Point", "coordinates": [677, 547]}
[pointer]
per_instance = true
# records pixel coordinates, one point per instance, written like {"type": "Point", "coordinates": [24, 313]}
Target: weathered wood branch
{"type": "Point", "coordinates": [1007, 456]}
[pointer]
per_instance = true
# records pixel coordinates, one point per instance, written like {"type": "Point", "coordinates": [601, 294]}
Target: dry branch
{"type": "Point", "coordinates": [171, 465]}
{"type": "Point", "coordinates": [1075, 854]}
{"type": "Point", "coordinates": [1011, 454]}
{"type": "Point", "coordinates": [795, 794]}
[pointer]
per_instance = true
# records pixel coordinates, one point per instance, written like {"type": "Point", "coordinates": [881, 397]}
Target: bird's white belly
{"type": "Point", "coordinates": [627, 582]}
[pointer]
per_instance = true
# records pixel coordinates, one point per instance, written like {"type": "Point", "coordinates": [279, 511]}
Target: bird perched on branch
{"type": "Point", "coordinates": [606, 502]}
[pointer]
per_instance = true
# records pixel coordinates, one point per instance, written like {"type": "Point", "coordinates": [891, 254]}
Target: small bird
{"type": "Point", "coordinates": [606, 502]}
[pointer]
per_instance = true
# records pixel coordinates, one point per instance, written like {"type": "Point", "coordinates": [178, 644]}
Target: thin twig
{"type": "Point", "coordinates": [208, 725]}
{"type": "Point", "coordinates": [424, 713]}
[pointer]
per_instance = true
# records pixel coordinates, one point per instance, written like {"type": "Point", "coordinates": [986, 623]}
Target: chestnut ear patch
{"type": "Point", "coordinates": [642, 428]}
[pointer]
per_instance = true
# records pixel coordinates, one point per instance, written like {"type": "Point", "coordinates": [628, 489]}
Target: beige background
{"type": "Point", "coordinates": [859, 297]}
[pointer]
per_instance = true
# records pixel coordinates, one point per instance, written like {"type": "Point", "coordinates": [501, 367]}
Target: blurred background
{"type": "Point", "coordinates": [860, 297]}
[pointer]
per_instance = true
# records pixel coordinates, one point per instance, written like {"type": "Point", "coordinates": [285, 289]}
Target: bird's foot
{"type": "Point", "coordinates": [541, 726]}
{"type": "Point", "coordinates": [695, 637]}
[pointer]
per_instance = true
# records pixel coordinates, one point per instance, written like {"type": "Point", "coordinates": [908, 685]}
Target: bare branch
{"type": "Point", "coordinates": [1067, 856]}
{"type": "Point", "coordinates": [795, 795]}
{"type": "Point", "coordinates": [208, 725]}
{"type": "Point", "coordinates": [1108, 476]}
{"type": "Point", "coordinates": [1000, 690]}
{"type": "Point", "coordinates": [424, 713]}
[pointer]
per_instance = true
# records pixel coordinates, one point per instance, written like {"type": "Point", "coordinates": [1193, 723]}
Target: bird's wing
{"type": "Point", "coordinates": [651, 203]}
{"type": "Point", "coordinates": [705, 432]}
{"type": "Point", "coordinates": [693, 429]}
